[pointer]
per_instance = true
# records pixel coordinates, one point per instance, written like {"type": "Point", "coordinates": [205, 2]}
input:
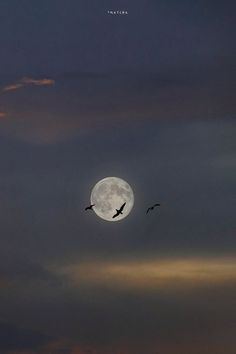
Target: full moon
{"type": "Point", "coordinates": [110, 194]}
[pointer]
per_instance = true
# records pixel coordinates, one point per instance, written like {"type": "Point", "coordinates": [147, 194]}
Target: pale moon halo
{"type": "Point", "coordinates": [108, 195]}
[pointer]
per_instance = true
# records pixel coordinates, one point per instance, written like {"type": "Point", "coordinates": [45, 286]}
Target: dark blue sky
{"type": "Point", "coordinates": [148, 97]}
{"type": "Point", "coordinates": [58, 36]}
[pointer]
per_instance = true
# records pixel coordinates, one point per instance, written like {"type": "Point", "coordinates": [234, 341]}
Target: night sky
{"type": "Point", "coordinates": [149, 97]}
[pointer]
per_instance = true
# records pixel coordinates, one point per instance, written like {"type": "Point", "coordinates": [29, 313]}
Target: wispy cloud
{"type": "Point", "coordinates": [88, 102]}
{"type": "Point", "coordinates": [25, 81]}
{"type": "Point", "coordinates": [39, 82]}
{"type": "Point", "coordinates": [12, 87]}
{"type": "Point", "coordinates": [157, 273]}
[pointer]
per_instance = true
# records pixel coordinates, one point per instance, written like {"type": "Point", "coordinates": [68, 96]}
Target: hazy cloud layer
{"type": "Point", "coordinates": [82, 102]}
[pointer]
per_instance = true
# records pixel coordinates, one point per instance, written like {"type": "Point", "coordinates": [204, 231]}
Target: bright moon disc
{"type": "Point", "coordinates": [108, 195]}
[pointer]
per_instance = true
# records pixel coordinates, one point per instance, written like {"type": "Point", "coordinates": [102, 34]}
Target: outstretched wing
{"type": "Point", "coordinates": [90, 207]}
{"type": "Point", "coordinates": [152, 207]}
{"type": "Point", "coordinates": [117, 213]}
{"type": "Point", "coordinates": [122, 206]}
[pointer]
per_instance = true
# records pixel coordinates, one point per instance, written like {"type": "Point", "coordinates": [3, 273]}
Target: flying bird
{"type": "Point", "coordinates": [90, 207]}
{"type": "Point", "coordinates": [152, 207]}
{"type": "Point", "coordinates": [119, 211]}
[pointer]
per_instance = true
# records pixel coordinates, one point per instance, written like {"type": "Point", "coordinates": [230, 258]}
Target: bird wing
{"type": "Point", "coordinates": [119, 211]}
{"type": "Point", "coordinates": [157, 204]}
{"type": "Point", "coordinates": [89, 207]}
{"type": "Point", "coordinates": [148, 210]}
{"type": "Point", "coordinates": [122, 206]}
{"type": "Point", "coordinates": [115, 215]}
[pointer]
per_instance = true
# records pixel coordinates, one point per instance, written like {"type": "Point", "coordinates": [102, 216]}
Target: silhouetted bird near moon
{"type": "Point", "coordinates": [108, 195]}
{"type": "Point", "coordinates": [152, 207]}
{"type": "Point", "coordinates": [90, 207]}
{"type": "Point", "coordinates": [119, 211]}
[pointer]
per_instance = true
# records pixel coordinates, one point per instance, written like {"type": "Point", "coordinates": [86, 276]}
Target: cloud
{"type": "Point", "coordinates": [154, 273]}
{"type": "Point", "coordinates": [12, 87]}
{"type": "Point", "coordinates": [39, 82]}
{"type": "Point", "coordinates": [89, 102]}
{"type": "Point", "coordinates": [3, 114]}
{"type": "Point", "coordinates": [28, 81]}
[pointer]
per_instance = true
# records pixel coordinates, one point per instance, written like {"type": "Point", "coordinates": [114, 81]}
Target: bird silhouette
{"type": "Point", "coordinates": [152, 207]}
{"type": "Point", "coordinates": [90, 207]}
{"type": "Point", "coordinates": [119, 211]}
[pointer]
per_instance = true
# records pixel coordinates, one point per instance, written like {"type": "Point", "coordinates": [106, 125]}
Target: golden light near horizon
{"type": "Point", "coordinates": [108, 195]}
{"type": "Point", "coordinates": [151, 274]}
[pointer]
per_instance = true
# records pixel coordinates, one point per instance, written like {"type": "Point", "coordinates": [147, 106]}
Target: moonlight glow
{"type": "Point", "coordinates": [108, 195]}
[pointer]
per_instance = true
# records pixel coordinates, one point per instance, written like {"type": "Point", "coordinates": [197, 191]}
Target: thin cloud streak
{"type": "Point", "coordinates": [90, 102]}
{"type": "Point", "coordinates": [39, 82]}
{"type": "Point", "coordinates": [153, 274]}
{"type": "Point", "coordinates": [28, 81]}
{"type": "Point", "coordinates": [12, 87]}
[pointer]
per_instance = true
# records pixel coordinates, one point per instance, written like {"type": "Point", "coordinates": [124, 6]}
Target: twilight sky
{"type": "Point", "coordinates": [148, 97]}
